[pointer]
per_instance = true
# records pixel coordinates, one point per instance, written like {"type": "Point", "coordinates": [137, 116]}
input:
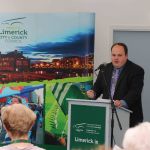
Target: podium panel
{"type": "Point", "coordinates": [89, 124]}
{"type": "Point", "coordinates": [123, 115]}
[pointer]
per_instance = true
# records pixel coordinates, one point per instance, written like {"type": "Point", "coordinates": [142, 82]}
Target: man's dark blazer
{"type": "Point", "coordinates": [128, 88]}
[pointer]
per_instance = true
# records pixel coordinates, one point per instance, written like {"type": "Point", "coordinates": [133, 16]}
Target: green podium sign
{"type": "Point", "coordinates": [87, 125]}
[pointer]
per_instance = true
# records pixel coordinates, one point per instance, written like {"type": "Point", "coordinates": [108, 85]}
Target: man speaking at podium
{"type": "Point", "coordinates": [122, 81]}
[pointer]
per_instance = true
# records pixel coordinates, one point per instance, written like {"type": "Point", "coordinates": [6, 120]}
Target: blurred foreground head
{"type": "Point", "coordinates": [136, 138]}
{"type": "Point", "coordinates": [17, 119]}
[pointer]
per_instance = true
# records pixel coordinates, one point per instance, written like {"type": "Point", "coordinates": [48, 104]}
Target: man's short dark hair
{"type": "Point", "coordinates": [123, 45]}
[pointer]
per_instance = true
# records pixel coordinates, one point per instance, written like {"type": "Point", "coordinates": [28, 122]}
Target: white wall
{"type": "Point", "coordinates": [108, 13]}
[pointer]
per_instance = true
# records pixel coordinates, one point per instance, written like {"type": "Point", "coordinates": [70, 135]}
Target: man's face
{"type": "Point", "coordinates": [15, 100]}
{"type": "Point", "coordinates": [118, 56]}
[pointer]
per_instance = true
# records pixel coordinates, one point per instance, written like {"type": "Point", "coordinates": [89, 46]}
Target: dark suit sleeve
{"type": "Point", "coordinates": [135, 86]}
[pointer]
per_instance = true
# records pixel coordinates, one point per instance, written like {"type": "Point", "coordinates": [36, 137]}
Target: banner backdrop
{"type": "Point", "coordinates": [51, 49]}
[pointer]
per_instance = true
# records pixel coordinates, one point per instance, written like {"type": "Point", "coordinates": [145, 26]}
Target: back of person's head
{"type": "Point", "coordinates": [137, 138]}
{"type": "Point", "coordinates": [17, 119]}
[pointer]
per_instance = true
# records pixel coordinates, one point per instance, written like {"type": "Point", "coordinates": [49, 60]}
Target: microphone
{"type": "Point", "coordinates": [101, 67]}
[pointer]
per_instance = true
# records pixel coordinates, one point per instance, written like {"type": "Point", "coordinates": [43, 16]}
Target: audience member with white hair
{"type": "Point", "coordinates": [136, 138]}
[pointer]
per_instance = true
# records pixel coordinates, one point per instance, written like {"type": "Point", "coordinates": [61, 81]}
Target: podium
{"type": "Point", "coordinates": [89, 124]}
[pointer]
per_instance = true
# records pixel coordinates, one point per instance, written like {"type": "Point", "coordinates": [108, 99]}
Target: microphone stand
{"type": "Point", "coordinates": [113, 109]}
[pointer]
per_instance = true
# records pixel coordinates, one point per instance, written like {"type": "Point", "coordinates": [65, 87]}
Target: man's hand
{"type": "Point", "coordinates": [90, 94]}
{"type": "Point", "coordinates": [117, 103]}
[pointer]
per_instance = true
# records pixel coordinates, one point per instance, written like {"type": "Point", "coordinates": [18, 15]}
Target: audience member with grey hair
{"type": "Point", "coordinates": [136, 138]}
